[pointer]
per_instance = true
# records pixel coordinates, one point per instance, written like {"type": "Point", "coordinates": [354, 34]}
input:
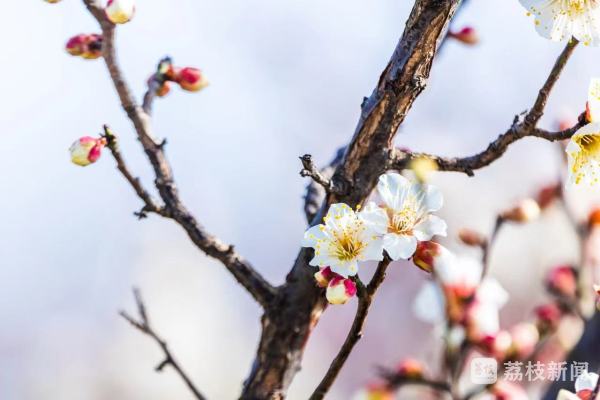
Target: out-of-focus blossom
{"type": "Point", "coordinates": [548, 317]}
{"type": "Point", "coordinates": [409, 206]}
{"type": "Point", "coordinates": [548, 195]}
{"type": "Point", "coordinates": [467, 35]}
{"type": "Point", "coordinates": [455, 337]}
{"type": "Point", "coordinates": [562, 281]}
{"type": "Point", "coordinates": [503, 390]}
{"type": "Point", "coordinates": [525, 210]}
{"type": "Point", "coordinates": [594, 218]}
{"type": "Point", "coordinates": [471, 237]}
{"type": "Point", "coordinates": [584, 388]}
{"type": "Point", "coordinates": [86, 150]}
{"type": "Point", "coordinates": [524, 338]}
{"type": "Point", "coordinates": [374, 391]}
{"type": "Point", "coordinates": [191, 79]}
{"type": "Point", "coordinates": [497, 346]}
{"type": "Point", "coordinates": [120, 11]}
{"type": "Point", "coordinates": [481, 320]}
{"type": "Point", "coordinates": [347, 238]}
{"type": "Point", "coordinates": [410, 368]}
{"type": "Point", "coordinates": [428, 254]}
{"type": "Point", "coordinates": [340, 290]}
{"type": "Point", "coordinates": [561, 20]}
{"type": "Point", "coordinates": [422, 167]}
{"type": "Point", "coordinates": [583, 150]}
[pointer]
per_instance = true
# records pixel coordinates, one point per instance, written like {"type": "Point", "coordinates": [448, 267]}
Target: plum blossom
{"type": "Point", "coordinates": [347, 238]}
{"type": "Point", "coordinates": [560, 20]}
{"type": "Point", "coordinates": [583, 150]}
{"type": "Point", "coordinates": [408, 207]}
{"type": "Point", "coordinates": [86, 150]}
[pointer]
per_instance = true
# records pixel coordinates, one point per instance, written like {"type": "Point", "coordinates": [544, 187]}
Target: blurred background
{"type": "Point", "coordinates": [287, 78]}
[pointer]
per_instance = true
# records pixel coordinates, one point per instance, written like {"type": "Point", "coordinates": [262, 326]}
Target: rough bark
{"type": "Point", "coordinates": [289, 320]}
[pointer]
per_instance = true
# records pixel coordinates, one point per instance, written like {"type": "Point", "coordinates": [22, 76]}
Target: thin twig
{"type": "Point", "coordinates": [310, 170]}
{"type": "Point", "coordinates": [143, 325]}
{"type": "Point", "coordinates": [489, 244]}
{"type": "Point", "coordinates": [527, 128]}
{"type": "Point", "coordinates": [261, 290]}
{"type": "Point", "coordinates": [315, 193]}
{"type": "Point", "coordinates": [365, 298]}
{"type": "Point", "coordinates": [394, 380]}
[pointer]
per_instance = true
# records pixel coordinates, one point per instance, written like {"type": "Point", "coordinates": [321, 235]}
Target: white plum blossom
{"type": "Point", "coordinates": [560, 20]}
{"type": "Point", "coordinates": [347, 238]}
{"type": "Point", "coordinates": [586, 381]}
{"type": "Point", "coordinates": [408, 207]}
{"type": "Point", "coordinates": [583, 150]}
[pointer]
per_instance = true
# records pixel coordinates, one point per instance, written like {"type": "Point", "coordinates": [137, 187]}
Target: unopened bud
{"type": "Point", "coordinates": [467, 35]}
{"type": "Point", "coordinates": [410, 368]}
{"type": "Point", "coordinates": [324, 276]}
{"type": "Point", "coordinates": [548, 317]}
{"type": "Point", "coordinates": [375, 391]}
{"type": "Point", "coordinates": [525, 211]}
{"type": "Point", "coordinates": [191, 79]}
{"type": "Point", "coordinates": [426, 255]}
{"type": "Point", "coordinates": [120, 11]}
{"type": "Point", "coordinates": [76, 45]}
{"type": "Point", "coordinates": [471, 237]}
{"type": "Point", "coordinates": [340, 290]}
{"type": "Point", "coordinates": [562, 281]}
{"type": "Point", "coordinates": [547, 195]}
{"type": "Point", "coordinates": [86, 150]}
{"type": "Point", "coordinates": [525, 336]}
{"type": "Point", "coordinates": [594, 218]}
{"type": "Point", "coordinates": [93, 47]}
{"type": "Point", "coordinates": [422, 167]}
{"type": "Point", "coordinates": [497, 345]}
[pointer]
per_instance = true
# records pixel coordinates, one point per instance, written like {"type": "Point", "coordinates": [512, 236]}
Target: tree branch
{"type": "Point", "coordinates": [365, 298]}
{"type": "Point", "coordinates": [395, 381]}
{"type": "Point", "coordinates": [315, 193]}
{"type": "Point", "coordinates": [143, 325]}
{"type": "Point", "coordinates": [241, 269]}
{"type": "Point", "coordinates": [519, 129]}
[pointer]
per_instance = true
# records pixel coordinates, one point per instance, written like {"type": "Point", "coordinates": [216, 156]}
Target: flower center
{"type": "Point", "coordinates": [578, 7]}
{"type": "Point", "coordinates": [347, 245]}
{"type": "Point", "coordinates": [403, 221]}
{"type": "Point", "coordinates": [590, 152]}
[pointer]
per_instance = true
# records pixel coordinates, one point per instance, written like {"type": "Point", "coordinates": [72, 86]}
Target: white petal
{"type": "Point", "coordinates": [373, 251]}
{"type": "Point", "coordinates": [313, 235]}
{"type": "Point", "coordinates": [491, 292]}
{"type": "Point", "coordinates": [399, 246]}
{"type": "Point", "coordinates": [434, 200]}
{"type": "Point", "coordinates": [586, 381]}
{"type": "Point", "coordinates": [594, 99]}
{"type": "Point", "coordinates": [429, 305]}
{"type": "Point", "coordinates": [375, 218]}
{"type": "Point", "coordinates": [345, 268]}
{"type": "Point", "coordinates": [586, 29]}
{"type": "Point", "coordinates": [392, 188]}
{"type": "Point", "coordinates": [430, 227]}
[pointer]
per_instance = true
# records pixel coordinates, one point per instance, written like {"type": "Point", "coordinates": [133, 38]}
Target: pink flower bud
{"type": "Point", "coordinates": [340, 290]}
{"type": "Point", "coordinates": [467, 35]}
{"type": "Point", "coordinates": [427, 254]}
{"type": "Point", "coordinates": [92, 47]}
{"type": "Point", "coordinates": [120, 11]}
{"type": "Point", "coordinates": [525, 211]}
{"type": "Point", "coordinates": [471, 237]}
{"type": "Point", "coordinates": [525, 337]}
{"type": "Point", "coordinates": [562, 281]}
{"type": "Point", "coordinates": [548, 317]}
{"type": "Point", "coordinates": [76, 45]}
{"type": "Point", "coordinates": [86, 150]}
{"type": "Point", "coordinates": [410, 368]}
{"type": "Point", "coordinates": [497, 345]}
{"type": "Point", "coordinates": [191, 79]}
{"type": "Point", "coordinates": [324, 276]}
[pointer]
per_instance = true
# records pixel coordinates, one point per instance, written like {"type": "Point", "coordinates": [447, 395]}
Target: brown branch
{"type": "Point", "coordinates": [143, 325]}
{"type": "Point", "coordinates": [310, 170]}
{"type": "Point", "coordinates": [150, 204]}
{"type": "Point", "coordinates": [519, 129]}
{"type": "Point", "coordinates": [365, 298]}
{"type": "Point", "coordinates": [315, 193]}
{"type": "Point", "coordinates": [394, 381]}
{"type": "Point", "coordinates": [241, 269]}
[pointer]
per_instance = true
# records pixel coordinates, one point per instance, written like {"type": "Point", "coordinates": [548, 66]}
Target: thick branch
{"type": "Point", "coordinates": [143, 325]}
{"type": "Point", "coordinates": [365, 298]}
{"type": "Point", "coordinates": [241, 269]}
{"type": "Point", "coordinates": [519, 129]}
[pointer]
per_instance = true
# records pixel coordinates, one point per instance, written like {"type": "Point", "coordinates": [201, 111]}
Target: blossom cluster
{"type": "Point", "coordinates": [348, 237]}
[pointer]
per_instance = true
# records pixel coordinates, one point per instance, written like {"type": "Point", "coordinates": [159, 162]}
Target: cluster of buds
{"type": "Point", "coordinates": [585, 387]}
{"type": "Point", "coordinates": [467, 35]}
{"type": "Point", "coordinates": [87, 150]}
{"type": "Point", "coordinates": [339, 289]}
{"type": "Point", "coordinates": [562, 281]}
{"type": "Point", "coordinates": [88, 46]}
{"type": "Point", "coordinates": [524, 211]}
{"type": "Point", "coordinates": [189, 78]}
{"type": "Point", "coordinates": [120, 11]}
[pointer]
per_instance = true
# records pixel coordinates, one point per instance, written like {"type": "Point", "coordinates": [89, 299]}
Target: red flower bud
{"type": "Point", "coordinates": [594, 218]}
{"type": "Point", "coordinates": [467, 35]}
{"type": "Point", "coordinates": [562, 281]}
{"type": "Point", "coordinates": [191, 79]}
{"type": "Point", "coordinates": [93, 47]}
{"type": "Point", "coordinates": [324, 276]}
{"type": "Point", "coordinates": [86, 150]}
{"type": "Point", "coordinates": [340, 290]}
{"type": "Point", "coordinates": [548, 317]}
{"type": "Point", "coordinates": [427, 254]}
{"type": "Point", "coordinates": [76, 45]}
{"type": "Point", "coordinates": [410, 368]}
